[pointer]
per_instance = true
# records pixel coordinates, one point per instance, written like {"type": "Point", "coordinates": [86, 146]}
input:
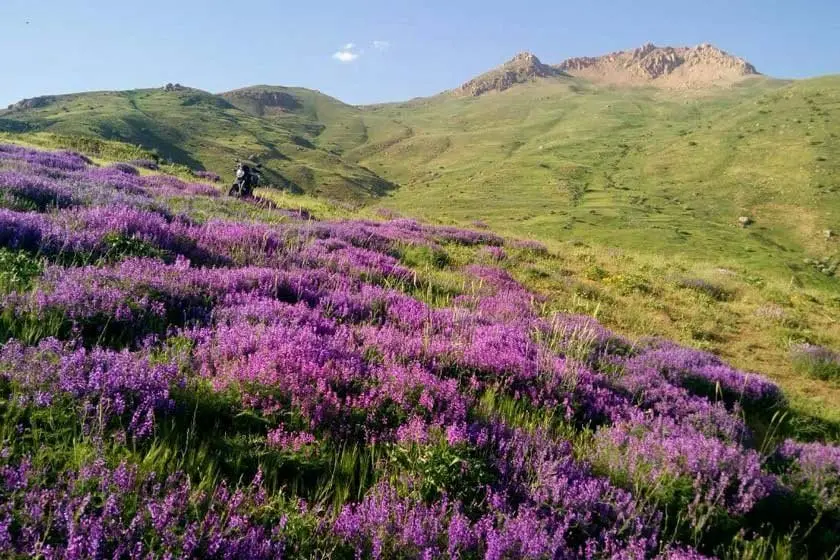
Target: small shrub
{"type": "Point", "coordinates": [816, 361]}
{"type": "Point", "coordinates": [425, 255]}
{"type": "Point", "coordinates": [493, 254]}
{"type": "Point", "coordinates": [824, 265]}
{"type": "Point", "coordinates": [387, 213]}
{"type": "Point", "coordinates": [456, 471]}
{"type": "Point", "coordinates": [17, 270]}
{"type": "Point", "coordinates": [536, 273]}
{"type": "Point", "coordinates": [145, 164]}
{"type": "Point", "coordinates": [628, 283]}
{"type": "Point", "coordinates": [120, 247]}
{"type": "Point", "coordinates": [534, 247]}
{"type": "Point", "coordinates": [208, 176]}
{"type": "Point", "coordinates": [126, 168]}
{"type": "Point", "coordinates": [710, 289]}
{"type": "Point", "coordinates": [590, 293]}
{"type": "Point", "coordinates": [595, 272]}
{"type": "Point", "coordinates": [774, 313]}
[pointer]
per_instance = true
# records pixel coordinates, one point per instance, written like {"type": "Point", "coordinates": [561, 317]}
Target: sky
{"type": "Point", "coordinates": [369, 51]}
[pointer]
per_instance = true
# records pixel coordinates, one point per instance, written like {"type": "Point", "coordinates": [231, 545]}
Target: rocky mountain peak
{"type": "Point", "coordinates": [522, 68]}
{"type": "Point", "coordinates": [672, 67]}
{"type": "Point", "coordinates": [525, 58]}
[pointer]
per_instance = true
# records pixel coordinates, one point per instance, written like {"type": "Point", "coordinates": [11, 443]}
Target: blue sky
{"type": "Point", "coordinates": [400, 48]}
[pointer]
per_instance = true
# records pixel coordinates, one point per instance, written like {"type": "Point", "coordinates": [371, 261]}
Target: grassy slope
{"type": "Point", "coordinates": [202, 130]}
{"type": "Point", "coordinates": [636, 169]}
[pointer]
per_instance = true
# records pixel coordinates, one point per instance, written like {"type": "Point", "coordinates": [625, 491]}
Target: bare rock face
{"type": "Point", "coordinates": [279, 99]}
{"type": "Point", "coordinates": [697, 67]}
{"type": "Point", "coordinates": [261, 101]}
{"type": "Point", "coordinates": [668, 67]}
{"type": "Point", "coordinates": [523, 68]}
{"type": "Point", "coordinates": [33, 103]}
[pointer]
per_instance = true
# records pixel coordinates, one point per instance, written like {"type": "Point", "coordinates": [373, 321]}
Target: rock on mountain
{"type": "Point", "coordinates": [262, 100]}
{"type": "Point", "coordinates": [33, 103]}
{"type": "Point", "coordinates": [523, 68]}
{"type": "Point", "coordinates": [668, 67]}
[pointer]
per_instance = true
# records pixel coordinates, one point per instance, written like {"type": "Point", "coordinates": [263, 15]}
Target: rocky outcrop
{"type": "Point", "coordinates": [670, 67]}
{"type": "Point", "coordinates": [33, 103]}
{"type": "Point", "coordinates": [260, 101]}
{"type": "Point", "coordinates": [523, 68]}
{"type": "Point", "coordinates": [649, 65]}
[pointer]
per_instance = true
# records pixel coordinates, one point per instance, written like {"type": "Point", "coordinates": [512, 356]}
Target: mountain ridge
{"type": "Point", "coordinates": [701, 66]}
{"type": "Point", "coordinates": [670, 67]}
{"type": "Point", "coordinates": [522, 68]}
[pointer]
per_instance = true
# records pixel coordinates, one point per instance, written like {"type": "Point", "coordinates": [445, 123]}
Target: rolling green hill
{"type": "Point", "coordinates": [203, 130]}
{"type": "Point", "coordinates": [633, 168]}
{"type": "Point", "coordinates": [553, 157]}
{"type": "Point", "coordinates": [637, 190]}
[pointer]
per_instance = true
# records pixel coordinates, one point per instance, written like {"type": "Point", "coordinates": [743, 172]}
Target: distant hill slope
{"type": "Point", "coordinates": [203, 130]}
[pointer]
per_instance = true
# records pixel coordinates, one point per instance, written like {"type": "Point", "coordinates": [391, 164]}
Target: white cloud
{"type": "Point", "coordinates": [349, 46]}
{"type": "Point", "coordinates": [345, 56]}
{"type": "Point", "coordinates": [381, 45]}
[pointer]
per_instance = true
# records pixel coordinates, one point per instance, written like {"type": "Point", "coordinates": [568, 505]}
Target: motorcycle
{"type": "Point", "coordinates": [247, 178]}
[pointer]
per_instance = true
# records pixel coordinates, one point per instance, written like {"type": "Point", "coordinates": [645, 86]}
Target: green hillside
{"type": "Point", "coordinates": [632, 168]}
{"type": "Point", "coordinates": [637, 191]}
{"type": "Point", "coordinates": [562, 160]}
{"type": "Point", "coordinates": [203, 130]}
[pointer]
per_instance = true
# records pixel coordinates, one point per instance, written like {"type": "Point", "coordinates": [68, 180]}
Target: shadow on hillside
{"type": "Point", "coordinates": [139, 133]}
{"type": "Point", "coordinates": [10, 125]}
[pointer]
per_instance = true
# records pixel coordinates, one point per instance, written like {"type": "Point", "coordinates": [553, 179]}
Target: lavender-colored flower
{"type": "Point", "coordinates": [531, 246]}
{"type": "Point", "coordinates": [493, 254]}
{"type": "Point", "coordinates": [815, 469]}
{"type": "Point", "coordinates": [659, 452]}
{"type": "Point", "coordinates": [42, 193]}
{"type": "Point", "coordinates": [816, 360]}
{"type": "Point", "coordinates": [681, 553]}
{"type": "Point", "coordinates": [116, 384]}
{"type": "Point", "coordinates": [133, 514]}
{"type": "Point", "coordinates": [60, 160]}
{"type": "Point", "coordinates": [303, 328]}
{"type": "Point", "coordinates": [706, 373]}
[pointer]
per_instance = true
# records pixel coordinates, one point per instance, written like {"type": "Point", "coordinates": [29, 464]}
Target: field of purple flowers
{"type": "Point", "coordinates": [176, 388]}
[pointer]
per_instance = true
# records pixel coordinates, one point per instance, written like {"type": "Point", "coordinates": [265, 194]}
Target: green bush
{"type": "Point", "coordinates": [437, 469]}
{"type": "Point", "coordinates": [17, 270]}
{"type": "Point", "coordinates": [121, 247]}
{"type": "Point", "coordinates": [422, 255]}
